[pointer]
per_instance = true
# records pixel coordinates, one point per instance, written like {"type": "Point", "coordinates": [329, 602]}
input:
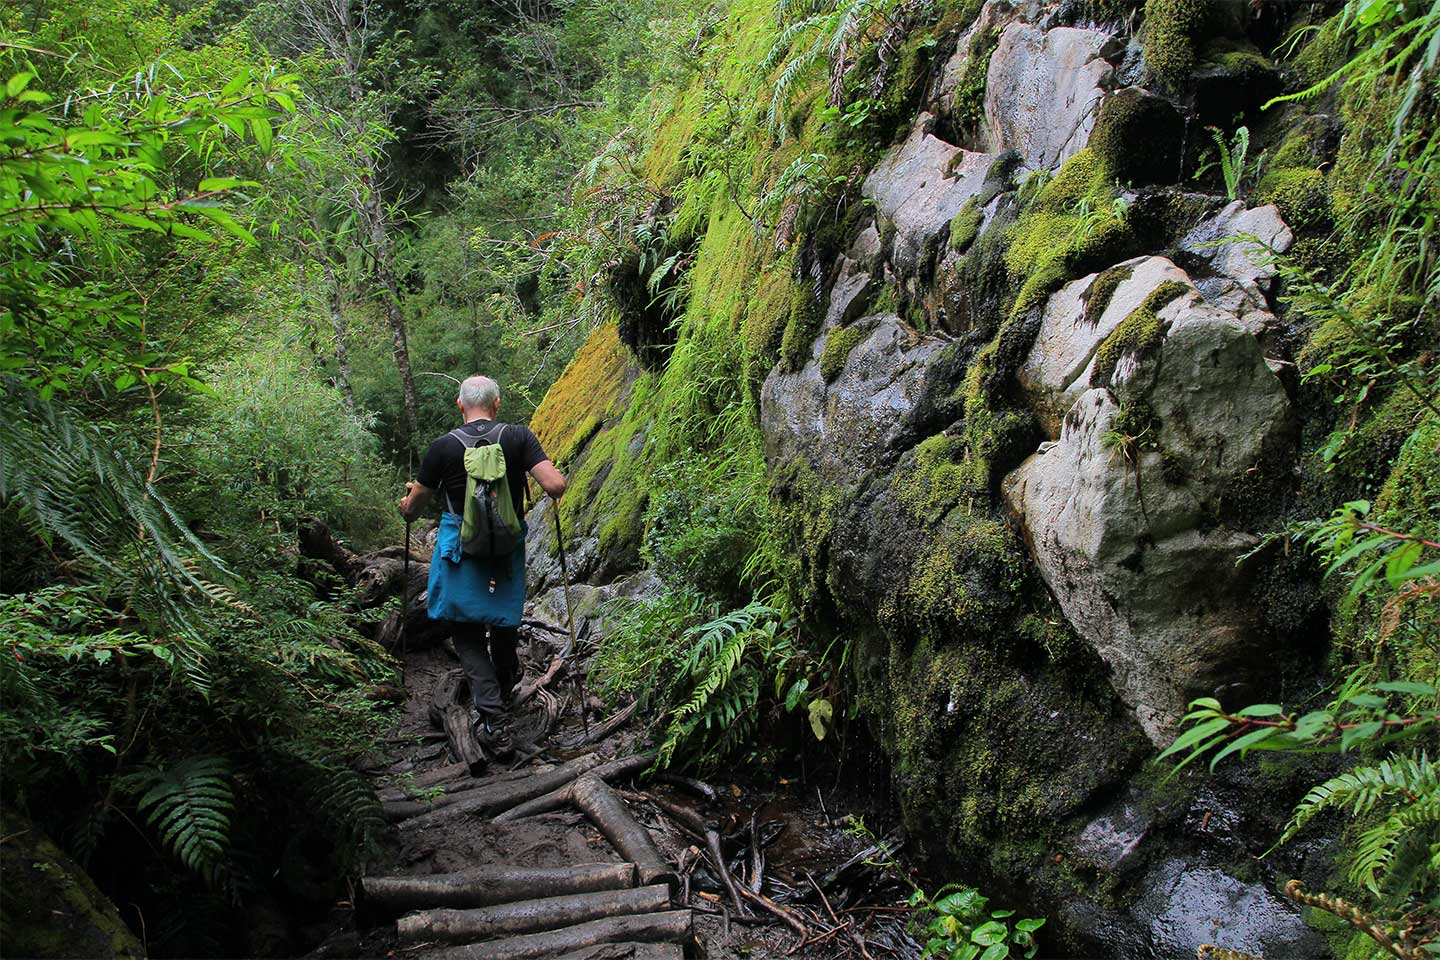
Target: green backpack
{"type": "Point", "coordinates": [489, 527]}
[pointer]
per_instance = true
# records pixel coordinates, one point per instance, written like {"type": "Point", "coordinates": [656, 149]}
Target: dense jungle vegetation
{"type": "Point", "coordinates": [243, 246]}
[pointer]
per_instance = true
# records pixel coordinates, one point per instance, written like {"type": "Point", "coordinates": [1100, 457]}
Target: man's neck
{"type": "Point", "coordinates": [472, 415]}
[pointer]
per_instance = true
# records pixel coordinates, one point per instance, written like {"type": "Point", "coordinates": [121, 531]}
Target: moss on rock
{"type": "Point", "coordinates": [1138, 137]}
{"type": "Point", "coordinates": [1173, 29]}
{"type": "Point", "coordinates": [837, 350]}
{"type": "Point", "coordinates": [965, 226]}
{"type": "Point", "coordinates": [1301, 195]}
{"type": "Point", "coordinates": [1140, 332]}
{"type": "Point", "coordinates": [1102, 291]}
{"type": "Point", "coordinates": [801, 326]}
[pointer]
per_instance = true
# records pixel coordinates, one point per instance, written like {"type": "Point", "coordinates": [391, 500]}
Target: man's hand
{"type": "Point", "coordinates": [551, 480]}
{"type": "Point", "coordinates": [411, 504]}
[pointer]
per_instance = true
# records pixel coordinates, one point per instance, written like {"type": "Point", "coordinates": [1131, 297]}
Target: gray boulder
{"type": "Point", "coordinates": [1126, 533]}
{"type": "Point", "coordinates": [919, 186]}
{"type": "Point", "coordinates": [1044, 89]}
{"type": "Point", "coordinates": [884, 400]}
{"type": "Point", "coordinates": [1058, 369]}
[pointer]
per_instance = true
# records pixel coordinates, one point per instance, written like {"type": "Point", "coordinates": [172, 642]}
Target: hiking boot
{"type": "Point", "coordinates": [493, 733]}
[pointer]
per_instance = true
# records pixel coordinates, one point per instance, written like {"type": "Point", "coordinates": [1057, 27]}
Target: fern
{"type": "Point", "coordinates": [816, 29]}
{"type": "Point", "coordinates": [722, 688]}
{"type": "Point", "coordinates": [1407, 791]}
{"type": "Point", "coordinates": [70, 482]}
{"type": "Point", "coordinates": [189, 805]}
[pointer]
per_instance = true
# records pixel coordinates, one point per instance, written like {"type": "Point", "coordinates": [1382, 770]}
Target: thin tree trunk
{"type": "Point", "coordinates": [337, 319]}
{"type": "Point", "coordinates": [381, 249]}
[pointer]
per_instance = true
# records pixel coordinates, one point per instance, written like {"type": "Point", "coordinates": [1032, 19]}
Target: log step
{"type": "Point", "coordinates": [531, 916]}
{"type": "Point", "coordinates": [385, 897]}
{"type": "Point", "coordinates": [672, 926]}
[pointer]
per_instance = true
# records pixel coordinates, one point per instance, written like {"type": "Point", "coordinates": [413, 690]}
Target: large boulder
{"type": "Point", "coordinates": [1076, 321]}
{"type": "Point", "coordinates": [1124, 512]}
{"type": "Point", "coordinates": [1044, 90]}
{"type": "Point", "coordinates": [890, 391]}
{"type": "Point", "coordinates": [919, 187]}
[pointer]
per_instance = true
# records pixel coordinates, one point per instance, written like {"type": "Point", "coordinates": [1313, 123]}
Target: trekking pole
{"type": "Point", "coordinates": [569, 616]}
{"type": "Point", "coordinates": [405, 601]}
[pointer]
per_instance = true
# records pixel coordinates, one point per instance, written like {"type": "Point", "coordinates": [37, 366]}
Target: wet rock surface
{"type": "Point", "coordinates": [1044, 90]}
{"type": "Point", "coordinates": [1189, 904]}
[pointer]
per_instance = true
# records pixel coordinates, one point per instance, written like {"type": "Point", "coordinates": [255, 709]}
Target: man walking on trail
{"type": "Point", "coordinates": [476, 594]}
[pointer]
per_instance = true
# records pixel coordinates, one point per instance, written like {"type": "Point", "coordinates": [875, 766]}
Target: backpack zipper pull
{"type": "Point", "coordinates": [492, 586]}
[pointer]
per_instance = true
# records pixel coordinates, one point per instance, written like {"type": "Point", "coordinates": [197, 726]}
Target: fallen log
{"type": "Point", "coordinates": [672, 926]}
{"type": "Point", "coordinates": [564, 796]}
{"type": "Point", "coordinates": [491, 800]}
{"type": "Point", "coordinates": [610, 815]}
{"type": "Point", "coordinates": [385, 897]}
{"type": "Point", "coordinates": [530, 916]}
{"type": "Point", "coordinates": [628, 951]}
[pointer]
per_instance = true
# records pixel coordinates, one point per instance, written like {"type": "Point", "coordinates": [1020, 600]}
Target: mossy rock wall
{"type": "Point", "coordinates": [49, 907]}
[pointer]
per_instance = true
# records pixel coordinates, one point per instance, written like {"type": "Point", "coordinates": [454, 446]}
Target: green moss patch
{"type": "Point", "coordinates": [837, 350]}
{"type": "Point", "coordinates": [1102, 291]}
{"type": "Point", "coordinates": [1173, 28]}
{"type": "Point", "coordinates": [965, 226]}
{"type": "Point", "coordinates": [1301, 195]}
{"type": "Point", "coordinates": [1138, 333]}
{"type": "Point", "coordinates": [1138, 137]}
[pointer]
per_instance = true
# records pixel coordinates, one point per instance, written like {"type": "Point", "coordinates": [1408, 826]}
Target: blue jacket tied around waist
{"type": "Point", "coordinates": [459, 587]}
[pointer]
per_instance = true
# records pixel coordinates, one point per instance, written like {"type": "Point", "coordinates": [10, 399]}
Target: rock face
{"type": "Point", "coordinates": [50, 907]}
{"type": "Point", "coordinates": [1044, 89]}
{"type": "Point", "coordinates": [1125, 531]}
{"type": "Point", "coordinates": [1236, 275]}
{"type": "Point", "coordinates": [920, 186]}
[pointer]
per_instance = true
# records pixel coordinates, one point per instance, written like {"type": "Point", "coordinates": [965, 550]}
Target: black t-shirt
{"type": "Point", "coordinates": [443, 469]}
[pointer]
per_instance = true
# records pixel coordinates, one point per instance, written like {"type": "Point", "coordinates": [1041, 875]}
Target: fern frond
{"type": "Point", "coordinates": [189, 806]}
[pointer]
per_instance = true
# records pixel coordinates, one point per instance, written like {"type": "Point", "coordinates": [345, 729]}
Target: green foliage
{"type": "Point", "coordinates": [701, 524]}
{"type": "Point", "coordinates": [101, 187]}
{"type": "Point", "coordinates": [817, 32]}
{"type": "Point", "coordinates": [189, 806]}
{"type": "Point", "coordinates": [1231, 160]}
{"type": "Point", "coordinates": [1102, 291]}
{"type": "Point", "coordinates": [725, 668]}
{"type": "Point", "coordinates": [956, 923]}
{"type": "Point", "coordinates": [291, 449]}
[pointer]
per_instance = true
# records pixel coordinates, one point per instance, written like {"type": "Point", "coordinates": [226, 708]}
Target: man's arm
{"type": "Point", "coordinates": [417, 495]}
{"type": "Point", "coordinates": [551, 480]}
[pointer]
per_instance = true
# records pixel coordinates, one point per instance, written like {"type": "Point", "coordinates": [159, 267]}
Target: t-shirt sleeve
{"type": "Point", "coordinates": [432, 467]}
{"type": "Point", "coordinates": [532, 453]}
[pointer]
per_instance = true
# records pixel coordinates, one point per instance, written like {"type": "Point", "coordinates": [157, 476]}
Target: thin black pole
{"type": "Point", "coordinates": [569, 616]}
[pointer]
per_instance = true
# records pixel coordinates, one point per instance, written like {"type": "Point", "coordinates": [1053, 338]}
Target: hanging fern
{"type": "Point", "coordinates": [816, 30]}
{"type": "Point", "coordinates": [1403, 845]}
{"type": "Point", "coordinates": [189, 805]}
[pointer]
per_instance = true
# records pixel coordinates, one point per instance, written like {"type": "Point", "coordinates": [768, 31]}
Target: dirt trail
{"type": "Point", "coordinates": [550, 873]}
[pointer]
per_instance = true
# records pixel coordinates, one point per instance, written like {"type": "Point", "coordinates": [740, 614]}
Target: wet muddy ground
{"type": "Point", "coordinates": [813, 862]}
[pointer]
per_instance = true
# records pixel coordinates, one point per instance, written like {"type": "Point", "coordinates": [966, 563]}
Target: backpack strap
{"type": "Point", "coordinates": [468, 441]}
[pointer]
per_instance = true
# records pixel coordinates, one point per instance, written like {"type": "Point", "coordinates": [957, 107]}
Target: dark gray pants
{"type": "Point", "coordinates": [491, 664]}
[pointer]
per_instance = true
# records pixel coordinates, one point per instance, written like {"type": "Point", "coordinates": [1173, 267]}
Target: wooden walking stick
{"type": "Point", "coordinates": [405, 601]}
{"type": "Point", "coordinates": [569, 615]}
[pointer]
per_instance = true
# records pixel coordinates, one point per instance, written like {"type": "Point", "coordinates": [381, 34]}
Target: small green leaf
{"type": "Point", "coordinates": [1262, 710]}
{"type": "Point", "coordinates": [821, 713]}
{"type": "Point", "coordinates": [990, 932]}
{"type": "Point", "coordinates": [1363, 731]}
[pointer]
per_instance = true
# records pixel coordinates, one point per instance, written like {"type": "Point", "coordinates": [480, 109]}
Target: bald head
{"type": "Point", "coordinates": [479, 395]}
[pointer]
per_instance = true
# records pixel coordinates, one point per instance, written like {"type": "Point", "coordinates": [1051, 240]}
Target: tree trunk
{"type": "Point", "coordinates": [373, 213]}
{"type": "Point", "coordinates": [530, 916]}
{"type": "Point", "coordinates": [673, 926]}
{"type": "Point", "coordinates": [564, 797]}
{"type": "Point", "coordinates": [337, 319]}
{"type": "Point", "coordinates": [385, 897]}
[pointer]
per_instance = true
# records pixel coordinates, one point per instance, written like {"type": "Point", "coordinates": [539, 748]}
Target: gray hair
{"type": "Point", "coordinates": [479, 393]}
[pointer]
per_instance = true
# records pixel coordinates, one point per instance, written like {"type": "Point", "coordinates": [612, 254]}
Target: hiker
{"type": "Point", "coordinates": [478, 585]}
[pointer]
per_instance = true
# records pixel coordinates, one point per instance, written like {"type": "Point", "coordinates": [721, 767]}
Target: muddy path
{"type": "Point", "coordinates": [535, 857]}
